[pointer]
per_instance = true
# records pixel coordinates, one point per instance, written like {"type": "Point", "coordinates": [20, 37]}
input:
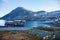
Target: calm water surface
{"type": "Point", "coordinates": [29, 25]}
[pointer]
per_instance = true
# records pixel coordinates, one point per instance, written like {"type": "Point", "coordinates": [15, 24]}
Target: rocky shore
{"type": "Point", "coordinates": [16, 35]}
{"type": "Point", "coordinates": [37, 33]}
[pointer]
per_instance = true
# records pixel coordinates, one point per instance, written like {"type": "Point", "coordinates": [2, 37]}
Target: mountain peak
{"type": "Point", "coordinates": [19, 8]}
{"type": "Point", "coordinates": [41, 11]}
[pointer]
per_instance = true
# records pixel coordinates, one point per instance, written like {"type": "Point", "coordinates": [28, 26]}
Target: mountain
{"type": "Point", "coordinates": [22, 14]}
{"type": "Point", "coordinates": [41, 14]}
{"type": "Point", "coordinates": [53, 15]}
{"type": "Point", "coordinates": [18, 13]}
{"type": "Point", "coordinates": [48, 16]}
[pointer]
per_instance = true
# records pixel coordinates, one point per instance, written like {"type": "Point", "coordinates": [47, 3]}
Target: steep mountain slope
{"type": "Point", "coordinates": [22, 14]}
{"type": "Point", "coordinates": [17, 13]}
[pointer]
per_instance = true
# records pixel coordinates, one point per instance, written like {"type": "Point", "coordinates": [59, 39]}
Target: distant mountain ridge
{"type": "Point", "coordinates": [22, 14]}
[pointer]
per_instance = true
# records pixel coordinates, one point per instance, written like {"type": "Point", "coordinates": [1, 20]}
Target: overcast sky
{"type": "Point", "coordinates": [7, 6]}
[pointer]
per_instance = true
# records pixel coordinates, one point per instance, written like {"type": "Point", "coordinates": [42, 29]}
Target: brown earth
{"type": "Point", "coordinates": [18, 35]}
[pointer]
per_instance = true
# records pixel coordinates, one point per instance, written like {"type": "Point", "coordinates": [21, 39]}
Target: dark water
{"type": "Point", "coordinates": [29, 25]}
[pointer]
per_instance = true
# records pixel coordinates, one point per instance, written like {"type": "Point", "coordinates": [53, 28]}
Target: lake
{"type": "Point", "coordinates": [29, 25]}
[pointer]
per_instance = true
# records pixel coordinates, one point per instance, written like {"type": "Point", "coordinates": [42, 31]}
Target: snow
{"type": "Point", "coordinates": [35, 14]}
{"type": "Point", "coordinates": [2, 22]}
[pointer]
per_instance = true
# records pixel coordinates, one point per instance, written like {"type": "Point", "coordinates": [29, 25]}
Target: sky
{"type": "Point", "coordinates": [7, 6]}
